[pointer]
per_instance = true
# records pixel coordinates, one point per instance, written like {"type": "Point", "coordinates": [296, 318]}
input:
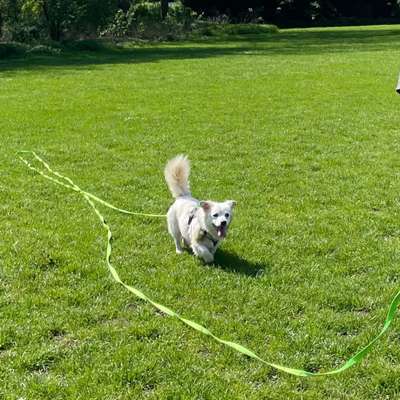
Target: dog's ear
{"type": "Point", "coordinates": [205, 205]}
{"type": "Point", "coordinates": [232, 203]}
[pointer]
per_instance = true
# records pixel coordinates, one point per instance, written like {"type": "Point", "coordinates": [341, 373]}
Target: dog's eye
{"type": "Point", "coordinates": [226, 215]}
{"type": "Point", "coordinates": [215, 215]}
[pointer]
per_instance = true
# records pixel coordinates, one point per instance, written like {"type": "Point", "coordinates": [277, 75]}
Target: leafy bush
{"type": "Point", "coordinates": [22, 31]}
{"type": "Point", "coordinates": [145, 12]}
{"type": "Point", "coordinates": [43, 50]}
{"type": "Point", "coordinates": [143, 20]}
{"type": "Point", "coordinates": [246, 29]}
{"type": "Point", "coordinates": [11, 49]}
{"type": "Point", "coordinates": [84, 45]}
{"type": "Point", "coordinates": [14, 49]}
{"type": "Point", "coordinates": [225, 29]}
{"type": "Point", "coordinates": [119, 26]}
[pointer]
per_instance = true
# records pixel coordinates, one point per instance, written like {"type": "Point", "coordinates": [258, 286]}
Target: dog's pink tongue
{"type": "Point", "coordinates": [221, 231]}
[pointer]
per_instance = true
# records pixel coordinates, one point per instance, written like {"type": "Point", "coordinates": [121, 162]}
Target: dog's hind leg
{"type": "Point", "coordinates": [178, 245]}
{"type": "Point", "coordinates": [173, 229]}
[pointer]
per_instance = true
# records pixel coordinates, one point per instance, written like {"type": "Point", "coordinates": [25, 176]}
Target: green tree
{"type": "Point", "coordinates": [55, 19]}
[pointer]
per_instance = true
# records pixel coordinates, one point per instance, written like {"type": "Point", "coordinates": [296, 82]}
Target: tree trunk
{"type": "Point", "coordinates": [55, 31]}
{"type": "Point", "coordinates": [164, 8]}
{"type": "Point", "coordinates": [54, 27]}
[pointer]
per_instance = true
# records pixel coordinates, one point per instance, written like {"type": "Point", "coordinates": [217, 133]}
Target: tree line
{"type": "Point", "coordinates": [27, 20]}
{"type": "Point", "coordinates": [301, 12]}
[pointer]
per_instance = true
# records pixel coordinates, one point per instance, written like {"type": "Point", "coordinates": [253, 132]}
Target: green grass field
{"type": "Point", "coordinates": [300, 127]}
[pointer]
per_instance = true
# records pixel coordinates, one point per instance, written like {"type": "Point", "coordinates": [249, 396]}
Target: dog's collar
{"type": "Point", "coordinates": [209, 237]}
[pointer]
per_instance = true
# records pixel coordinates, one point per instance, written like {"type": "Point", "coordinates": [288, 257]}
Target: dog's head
{"type": "Point", "coordinates": [218, 216]}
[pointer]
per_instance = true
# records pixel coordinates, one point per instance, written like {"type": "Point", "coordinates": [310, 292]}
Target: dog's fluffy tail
{"type": "Point", "coordinates": [177, 176]}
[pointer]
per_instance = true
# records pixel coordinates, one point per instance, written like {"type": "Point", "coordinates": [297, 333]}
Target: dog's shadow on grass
{"type": "Point", "coordinates": [232, 262]}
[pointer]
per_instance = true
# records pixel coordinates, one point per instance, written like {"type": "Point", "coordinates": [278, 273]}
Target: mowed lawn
{"type": "Point", "coordinates": [301, 128]}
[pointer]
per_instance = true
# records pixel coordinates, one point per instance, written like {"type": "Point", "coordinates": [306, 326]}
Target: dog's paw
{"type": "Point", "coordinates": [208, 258]}
{"type": "Point", "coordinates": [179, 251]}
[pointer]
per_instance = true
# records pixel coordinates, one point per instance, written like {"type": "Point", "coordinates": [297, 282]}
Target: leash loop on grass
{"type": "Point", "coordinates": [90, 199]}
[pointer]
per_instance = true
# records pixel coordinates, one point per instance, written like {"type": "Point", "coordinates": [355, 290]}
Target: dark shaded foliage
{"type": "Point", "coordinates": [38, 20]}
{"type": "Point", "coordinates": [27, 20]}
{"type": "Point", "coordinates": [298, 12]}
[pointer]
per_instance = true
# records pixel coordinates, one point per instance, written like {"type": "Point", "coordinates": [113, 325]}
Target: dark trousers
{"type": "Point", "coordinates": [398, 86]}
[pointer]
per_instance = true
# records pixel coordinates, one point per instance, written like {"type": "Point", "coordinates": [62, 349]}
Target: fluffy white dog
{"type": "Point", "coordinates": [200, 224]}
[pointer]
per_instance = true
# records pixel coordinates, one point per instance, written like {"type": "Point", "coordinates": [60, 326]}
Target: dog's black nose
{"type": "Point", "coordinates": [223, 223]}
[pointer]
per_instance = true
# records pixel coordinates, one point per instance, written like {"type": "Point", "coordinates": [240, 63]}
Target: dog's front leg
{"type": "Point", "coordinates": [202, 251]}
{"type": "Point", "coordinates": [214, 249]}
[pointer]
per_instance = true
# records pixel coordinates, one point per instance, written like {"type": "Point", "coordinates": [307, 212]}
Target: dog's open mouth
{"type": "Point", "coordinates": [221, 230]}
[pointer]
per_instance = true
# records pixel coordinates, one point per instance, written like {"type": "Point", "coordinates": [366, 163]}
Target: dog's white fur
{"type": "Point", "coordinates": [200, 225]}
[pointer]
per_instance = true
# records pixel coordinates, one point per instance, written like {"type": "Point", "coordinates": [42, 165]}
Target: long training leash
{"type": "Point", "coordinates": [91, 199]}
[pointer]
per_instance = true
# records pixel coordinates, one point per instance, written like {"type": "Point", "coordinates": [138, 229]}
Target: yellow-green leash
{"type": "Point", "coordinates": [90, 198]}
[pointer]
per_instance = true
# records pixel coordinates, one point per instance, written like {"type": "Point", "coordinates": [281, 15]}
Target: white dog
{"type": "Point", "coordinates": [201, 224]}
